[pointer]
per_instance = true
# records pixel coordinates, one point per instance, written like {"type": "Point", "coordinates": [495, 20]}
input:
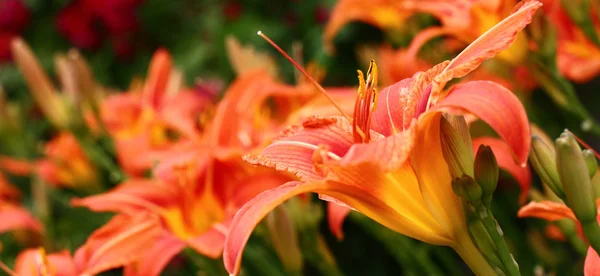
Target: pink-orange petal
{"type": "Point", "coordinates": [60, 263]}
{"type": "Point", "coordinates": [13, 217]}
{"type": "Point", "coordinates": [293, 150]}
{"type": "Point", "coordinates": [496, 106]}
{"type": "Point", "coordinates": [336, 214]}
{"type": "Point", "coordinates": [156, 258]}
{"type": "Point", "coordinates": [592, 263]}
{"type": "Point", "coordinates": [211, 242]}
{"type": "Point", "coordinates": [130, 197]}
{"type": "Point", "coordinates": [492, 42]}
{"type": "Point", "coordinates": [547, 210]}
{"type": "Point", "coordinates": [158, 77]}
{"type": "Point", "coordinates": [122, 241]}
{"type": "Point", "coordinates": [505, 160]}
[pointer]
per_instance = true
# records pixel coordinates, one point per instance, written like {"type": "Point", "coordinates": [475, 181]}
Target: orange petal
{"type": "Point", "coordinates": [547, 210]}
{"type": "Point", "coordinates": [492, 42]}
{"type": "Point", "coordinates": [16, 166]}
{"type": "Point", "coordinates": [130, 197]}
{"type": "Point", "coordinates": [122, 241]}
{"type": "Point", "coordinates": [211, 242]}
{"type": "Point", "coordinates": [59, 264]}
{"type": "Point", "coordinates": [7, 190]}
{"type": "Point", "coordinates": [496, 106]}
{"type": "Point", "coordinates": [13, 217]}
{"type": "Point", "coordinates": [156, 258]}
{"type": "Point", "coordinates": [158, 77]}
{"type": "Point", "coordinates": [293, 150]}
{"type": "Point", "coordinates": [336, 214]}
{"type": "Point", "coordinates": [592, 263]}
{"type": "Point", "coordinates": [505, 160]}
{"type": "Point", "coordinates": [180, 112]}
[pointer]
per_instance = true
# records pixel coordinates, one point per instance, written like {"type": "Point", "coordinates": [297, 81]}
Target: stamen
{"type": "Point", "coordinates": [7, 269]}
{"type": "Point", "coordinates": [365, 104]}
{"type": "Point", "coordinates": [311, 79]}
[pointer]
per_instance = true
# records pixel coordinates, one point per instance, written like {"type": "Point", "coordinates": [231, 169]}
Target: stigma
{"type": "Point", "coordinates": [365, 104]}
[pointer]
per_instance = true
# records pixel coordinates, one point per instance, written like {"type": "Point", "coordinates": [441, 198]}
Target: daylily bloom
{"type": "Point", "coordinates": [12, 215]}
{"type": "Point", "coordinates": [460, 19]}
{"type": "Point", "coordinates": [65, 164]}
{"type": "Point", "coordinates": [103, 251]}
{"type": "Point", "coordinates": [578, 57]}
{"type": "Point", "coordinates": [553, 211]}
{"type": "Point", "coordinates": [200, 184]}
{"type": "Point", "coordinates": [149, 121]}
{"type": "Point", "coordinates": [386, 162]}
{"type": "Point", "coordinates": [36, 262]}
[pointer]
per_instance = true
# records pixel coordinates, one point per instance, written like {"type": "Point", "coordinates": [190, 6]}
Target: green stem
{"type": "Point", "coordinates": [484, 243]}
{"type": "Point", "coordinates": [471, 255]}
{"type": "Point", "coordinates": [567, 227]}
{"type": "Point", "coordinates": [591, 230]}
{"type": "Point", "coordinates": [493, 229]}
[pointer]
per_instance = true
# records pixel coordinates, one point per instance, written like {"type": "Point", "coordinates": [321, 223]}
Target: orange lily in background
{"type": "Point", "coordinates": [12, 215]}
{"type": "Point", "coordinates": [36, 262]}
{"type": "Point", "coordinates": [578, 58]}
{"type": "Point", "coordinates": [553, 211]}
{"type": "Point", "coordinates": [148, 121]}
{"type": "Point", "coordinates": [66, 165]}
{"type": "Point", "coordinates": [386, 162]}
{"type": "Point", "coordinates": [460, 19]}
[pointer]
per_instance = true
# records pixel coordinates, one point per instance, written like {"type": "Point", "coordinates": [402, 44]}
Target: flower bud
{"type": "Point", "coordinates": [285, 239]}
{"type": "Point", "coordinates": [590, 161]}
{"type": "Point", "coordinates": [486, 171]}
{"type": "Point", "coordinates": [456, 145]}
{"type": "Point", "coordinates": [466, 187]}
{"type": "Point", "coordinates": [575, 178]}
{"type": "Point", "coordinates": [543, 161]}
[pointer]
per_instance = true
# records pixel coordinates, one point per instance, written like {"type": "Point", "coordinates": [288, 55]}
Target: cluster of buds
{"type": "Point", "coordinates": [570, 173]}
{"type": "Point", "coordinates": [475, 178]}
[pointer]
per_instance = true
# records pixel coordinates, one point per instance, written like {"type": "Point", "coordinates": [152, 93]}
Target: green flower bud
{"type": "Point", "coordinates": [486, 171]}
{"type": "Point", "coordinates": [590, 161]}
{"type": "Point", "coordinates": [575, 178]}
{"type": "Point", "coordinates": [466, 187]}
{"type": "Point", "coordinates": [456, 145]}
{"type": "Point", "coordinates": [543, 161]}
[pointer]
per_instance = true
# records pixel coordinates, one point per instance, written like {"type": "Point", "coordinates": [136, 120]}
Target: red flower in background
{"type": "Point", "coordinates": [14, 16]}
{"type": "Point", "coordinates": [86, 23]}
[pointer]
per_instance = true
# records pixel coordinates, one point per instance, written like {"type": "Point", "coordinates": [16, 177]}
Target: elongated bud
{"type": "Point", "coordinates": [543, 161]}
{"type": "Point", "coordinates": [285, 239]}
{"type": "Point", "coordinates": [40, 86]}
{"type": "Point", "coordinates": [590, 161]}
{"type": "Point", "coordinates": [466, 187]}
{"type": "Point", "coordinates": [456, 146]}
{"type": "Point", "coordinates": [596, 184]}
{"type": "Point", "coordinates": [575, 178]}
{"type": "Point", "coordinates": [486, 171]}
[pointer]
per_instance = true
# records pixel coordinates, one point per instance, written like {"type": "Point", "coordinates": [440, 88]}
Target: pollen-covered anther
{"type": "Point", "coordinates": [365, 104]}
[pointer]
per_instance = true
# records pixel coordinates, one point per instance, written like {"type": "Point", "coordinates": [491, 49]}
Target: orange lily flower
{"type": "Point", "coordinates": [66, 165]}
{"type": "Point", "coordinates": [386, 162]}
{"type": "Point", "coordinates": [103, 251]}
{"type": "Point", "coordinates": [36, 262]}
{"type": "Point", "coordinates": [200, 185]}
{"type": "Point", "coordinates": [461, 19]}
{"type": "Point", "coordinates": [578, 57]}
{"type": "Point", "coordinates": [146, 125]}
{"type": "Point", "coordinates": [12, 215]}
{"type": "Point", "coordinates": [553, 211]}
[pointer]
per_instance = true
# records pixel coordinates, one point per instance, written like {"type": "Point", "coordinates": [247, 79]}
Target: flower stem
{"type": "Point", "coordinates": [591, 230]}
{"type": "Point", "coordinates": [471, 255]}
{"type": "Point", "coordinates": [495, 232]}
